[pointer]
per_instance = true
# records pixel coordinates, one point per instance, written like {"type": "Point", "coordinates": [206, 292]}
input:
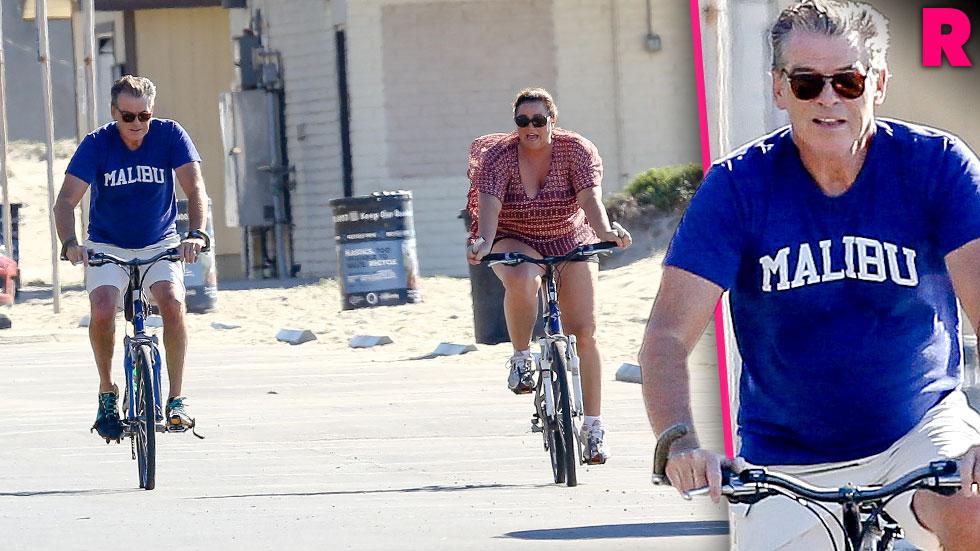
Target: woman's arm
{"type": "Point", "coordinates": [590, 199]}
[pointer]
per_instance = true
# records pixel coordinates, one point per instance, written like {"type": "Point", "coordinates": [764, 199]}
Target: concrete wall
{"type": "Point", "coordinates": [303, 31]}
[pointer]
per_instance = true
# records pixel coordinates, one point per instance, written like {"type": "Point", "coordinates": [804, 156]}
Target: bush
{"type": "Point", "coordinates": [668, 189]}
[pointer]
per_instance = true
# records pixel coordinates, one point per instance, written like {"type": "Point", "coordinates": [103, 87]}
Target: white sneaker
{"type": "Point", "coordinates": [521, 377]}
{"type": "Point", "coordinates": [596, 452]}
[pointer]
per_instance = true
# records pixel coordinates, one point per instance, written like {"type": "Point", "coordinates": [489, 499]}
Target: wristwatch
{"type": "Point", "coordinates": [198, 234]}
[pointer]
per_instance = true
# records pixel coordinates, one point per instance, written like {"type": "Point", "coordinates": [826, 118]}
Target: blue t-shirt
{"type": "Point", "coordinates": [133, 203]}
{"type": "Point", "coordinates": [842, 307]}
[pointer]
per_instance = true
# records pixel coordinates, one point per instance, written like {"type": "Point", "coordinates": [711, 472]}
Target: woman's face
{"type": "Point", "coordinates": [531, 136]}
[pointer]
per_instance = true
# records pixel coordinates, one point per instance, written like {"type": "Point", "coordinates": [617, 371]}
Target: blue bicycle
{"type": "Point", "coordinates": [557, 404]}
{"type": "Point", "coordinates": [143, 415]}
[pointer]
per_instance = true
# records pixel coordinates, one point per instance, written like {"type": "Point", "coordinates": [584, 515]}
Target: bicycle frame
{"type": "Point", "coordinates": [131, 344]}
{"type": "Point", "coordinates": [553, 332]}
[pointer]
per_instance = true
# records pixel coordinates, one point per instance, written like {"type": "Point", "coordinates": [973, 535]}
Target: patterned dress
{"type": "Point", "coordinates": [552, 222]}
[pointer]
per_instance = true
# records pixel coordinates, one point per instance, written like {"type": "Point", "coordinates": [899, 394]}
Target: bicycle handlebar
{"type": "Point", "coordinates": [751, 485]}
{"type": "Point", "coordinates": [100, 259]}
{"type": "Point", "coordinates": [578, 253]}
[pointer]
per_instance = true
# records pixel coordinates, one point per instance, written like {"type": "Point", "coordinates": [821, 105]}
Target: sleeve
{"type": "Point", "coordinates": [486, 174]}
{"type": "Point", "coordinates": [84, 162]}
{"type": "Point", "coordinates": [956, 195]}
{"type": "Point", "coordinates": [587, 171]}
{"type": "Point", "coordinates": [182, 150]}
{"type": "Point", "coordinates": [710, 238]}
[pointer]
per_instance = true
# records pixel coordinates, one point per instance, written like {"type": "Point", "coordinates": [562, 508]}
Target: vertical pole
{"type": "Point", "coordinates": [44, 56]}
{"type": "Point", "coordinates": [88, 22]}
{"type": "Point", "coordinates": [8, 232]}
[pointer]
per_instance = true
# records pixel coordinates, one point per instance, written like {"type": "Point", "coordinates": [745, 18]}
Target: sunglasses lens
{"type": "Point", "coordinates": [539, 121]}
{"type": "Point", "coordinates": [128, 117]}
{"type": "Point", "coordinates": [806, 87]}
{"type": "Point", "coordinates": [848, 85]}
{"type": "Point", "coordinates": [522, 121]}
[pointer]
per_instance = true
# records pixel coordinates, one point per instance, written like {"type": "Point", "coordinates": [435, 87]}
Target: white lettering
{"type": "Point", "coordinates": [896, 274]}
{"type": "Point", "coordinates": [828, 274]}
{"type": "Point", "coordinates": [770, 267]}
{"type": "Point", "coordinates": [870, 254]}
{"type": "Point", "coordinates": [805, 268]}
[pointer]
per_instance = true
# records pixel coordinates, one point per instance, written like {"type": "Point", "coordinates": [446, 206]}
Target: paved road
{"type": "Point", "coordinates": [319, 450]}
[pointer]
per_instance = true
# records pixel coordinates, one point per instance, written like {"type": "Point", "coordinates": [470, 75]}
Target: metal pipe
{"type": "Point", "coordinates": [277, 177]}
{"type": "Point", "coordinates": [8, 231]}
{"type": "Point", "coordinates": [44, 56]}
{"type": "Point", "coordinates": [343, 93]}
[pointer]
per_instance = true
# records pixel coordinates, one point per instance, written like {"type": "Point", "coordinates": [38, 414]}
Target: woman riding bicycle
{"type": "Point", "coordinates": [540, 194]}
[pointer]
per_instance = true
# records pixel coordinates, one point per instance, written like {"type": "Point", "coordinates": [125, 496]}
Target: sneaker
{"type": "Point", "coordinates": [521, 378]}
{"type": "Point", "coordinates": [596, 452]}
{"type": "Point", "coordinates": [177, 417]}
{"type": "Point", "coordinates": [107, 422]}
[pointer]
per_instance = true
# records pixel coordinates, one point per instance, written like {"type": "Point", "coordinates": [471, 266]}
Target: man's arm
{"type": "Point", "coordinates": [72, 191]}
{"type": "Point", "coordinates": [682, 309]}
{"type": "Point", "coordinates": [192, 182]}
{"type": "Point", "coordinates": [964, 269]}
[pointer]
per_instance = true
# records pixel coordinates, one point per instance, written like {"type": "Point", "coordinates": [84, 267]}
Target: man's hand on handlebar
{"type": "Point", "coordinates": [190, 248]}
{"type": "Point", "coordinates": [969, 467]}
{"type": "Point", "coordinates": [695, 468]}
{"type": "Point", "coordinates": [76, 254]}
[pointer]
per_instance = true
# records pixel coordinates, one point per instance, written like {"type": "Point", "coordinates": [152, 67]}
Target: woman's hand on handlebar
{"type": "Point", "coordinates": [617, 235]}
{"type": "Point", "coordinates": [477, 250]}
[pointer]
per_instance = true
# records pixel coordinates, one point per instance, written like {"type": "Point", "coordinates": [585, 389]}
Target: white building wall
{"type": "Point", "coordinates": [303, 31]}
{"type": "Point", "coordinates": [468, 59]}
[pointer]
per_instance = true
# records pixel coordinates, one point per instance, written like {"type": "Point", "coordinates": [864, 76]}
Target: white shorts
{"type": "Point", "coordinates": [948, 430]}
{"type": "Point", "coordinates": [118, 277]}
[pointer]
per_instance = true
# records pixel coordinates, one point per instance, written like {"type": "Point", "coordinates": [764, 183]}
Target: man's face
{"type": "Point", "coordinates": [126, 106]}
{"type": "Point", "coordinates": [829, 123]}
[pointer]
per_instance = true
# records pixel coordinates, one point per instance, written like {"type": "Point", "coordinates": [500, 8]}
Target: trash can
{"type": "Point", "coordinates": [201, 277]}
{"type": "Point", "coordinates": [487, 293]}
{"type": "Point", "coordinates": [376, 254]}
{"type": "Point", "coordinates": [14, 224]}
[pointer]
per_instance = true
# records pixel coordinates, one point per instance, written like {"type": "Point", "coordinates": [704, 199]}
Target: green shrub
{"type": "Point", "coordinates": [668, 188]}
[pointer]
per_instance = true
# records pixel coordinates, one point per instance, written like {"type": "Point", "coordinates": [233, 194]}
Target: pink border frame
{"type": "Point", "coordinates": [706, 164]}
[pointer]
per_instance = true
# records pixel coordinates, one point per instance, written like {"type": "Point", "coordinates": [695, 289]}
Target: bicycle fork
{"type": "Point", "coordinates": [546, 377]}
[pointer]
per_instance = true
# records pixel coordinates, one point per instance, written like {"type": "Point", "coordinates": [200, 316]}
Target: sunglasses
{"type": "Point", "coordinates": [807, 86]}
{"type": "Point", "coordinates": [144, 116]}
{"type": "Point", "coordinates": [537, 120]}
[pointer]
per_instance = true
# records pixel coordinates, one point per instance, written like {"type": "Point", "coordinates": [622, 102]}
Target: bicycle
{"type": "Point", "coordinates": [864, 523]}
{"type": "Point", "coordinates": [141, 366]}
{"type": "Point", "coordinates": [558, 410]}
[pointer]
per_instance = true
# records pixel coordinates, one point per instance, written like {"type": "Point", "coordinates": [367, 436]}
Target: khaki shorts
{"type": "Point", "coordinates": [948, 430]}
{"type": "Point", "coordinates": [118, 277]}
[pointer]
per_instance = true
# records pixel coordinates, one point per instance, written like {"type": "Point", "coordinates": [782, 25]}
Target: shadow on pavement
{"type": "Point", "coordinates": [463, 488]}
{"type": "Point", "coordinates": [92, 492]}
{"type": "Point", "coordinates": [609, 531]}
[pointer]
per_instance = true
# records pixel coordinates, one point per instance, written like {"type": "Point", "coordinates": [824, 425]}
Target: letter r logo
{"type": "Point", "coordinates": [935, 42]}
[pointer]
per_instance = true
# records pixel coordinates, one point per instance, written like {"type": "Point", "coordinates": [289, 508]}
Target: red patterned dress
{"type": "Point", "coordinates": [552, 222]}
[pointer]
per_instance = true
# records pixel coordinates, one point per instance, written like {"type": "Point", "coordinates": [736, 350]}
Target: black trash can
{"type": "Point", "coordinates": [14, 227]}
{"type": "Point", "coordinates": [376, 253]}
{"type": "Point", "coordinates": [487, 293]}
{"type": "Point", "coordinates": [201, 277]}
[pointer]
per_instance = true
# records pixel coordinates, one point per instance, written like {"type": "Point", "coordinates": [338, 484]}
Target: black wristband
{"type": "Point", "coordinates": [198, 234]}
{"type": "Point", "coordinates": [67, 243]}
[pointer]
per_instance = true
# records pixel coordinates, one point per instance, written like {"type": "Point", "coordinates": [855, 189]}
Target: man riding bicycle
{"type": "Point", "coordinates": [130, 165]}
{"type": "Point", "coordinates": [845, 242]}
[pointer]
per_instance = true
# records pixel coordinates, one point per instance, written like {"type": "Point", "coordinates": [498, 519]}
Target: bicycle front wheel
{"type": "Point", "coordinates": [145, 429]}
{"type": "Point", "coordinates": [563, 411]}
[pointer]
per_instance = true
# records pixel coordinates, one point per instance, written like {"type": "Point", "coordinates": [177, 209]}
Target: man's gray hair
{"type": "Point", "coordinates": [138, 87]}
{"type": "Point", "coordinates": [855, 21]}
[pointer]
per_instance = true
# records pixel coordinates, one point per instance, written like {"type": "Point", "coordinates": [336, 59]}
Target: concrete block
{"type": "Point", "coordinates": [219, 325]}
{"type": "Point", "coordinates": [452, 349]}
{"type": "Point", "coordinates": [295, 336]}
{"type": "Point", "coordinates": [4, 322]}
{"type": "Point", "coordinates": [367, 341]}
{"type": "Point", "coordinates": [84, 321]}
{"type": "Point", "coordinates": [629, 373]}
{"type": "Point", "coordinates": [154, 321]}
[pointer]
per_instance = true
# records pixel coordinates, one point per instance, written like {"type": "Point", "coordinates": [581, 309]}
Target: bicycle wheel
{"type": "Point", "coordinates": [145, 429]}
{"type": "Point", "coordinates": [553, 440]}
{"type": "Point", "coordinates": [563, 411]}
